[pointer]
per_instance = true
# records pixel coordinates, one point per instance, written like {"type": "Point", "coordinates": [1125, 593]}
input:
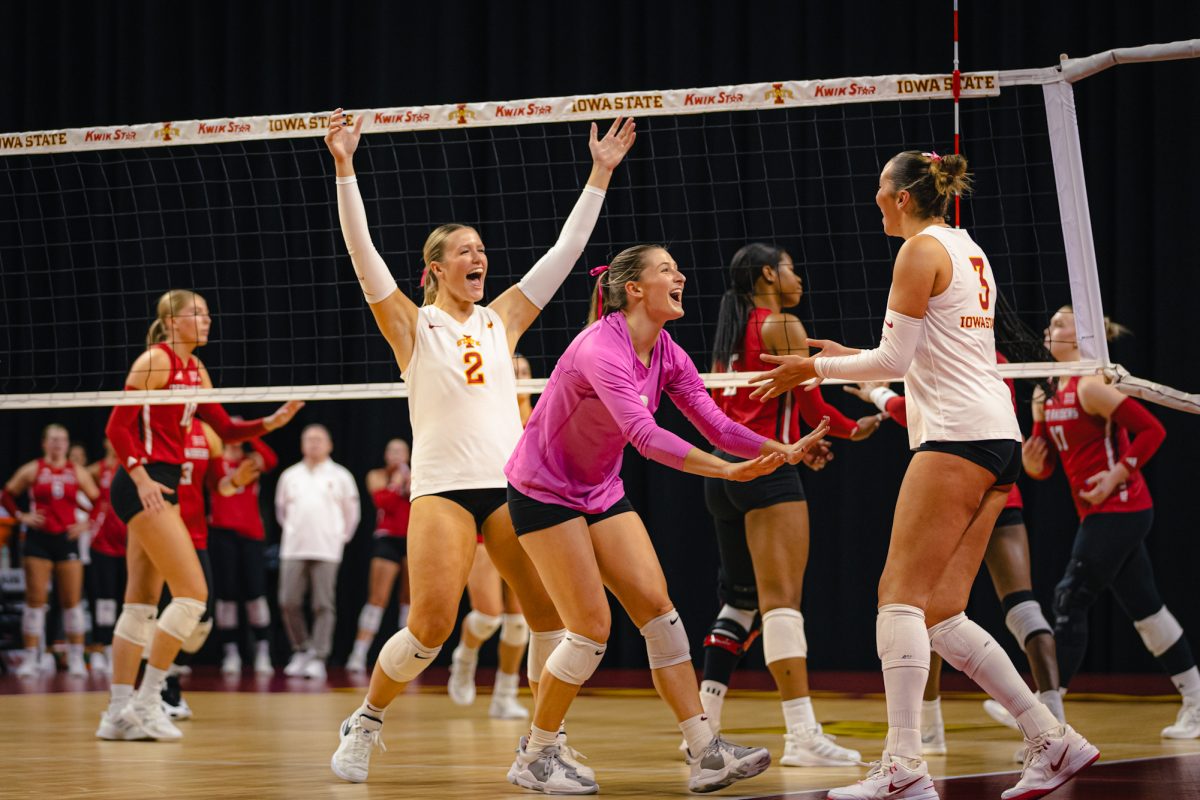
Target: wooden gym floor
{"type": "Point", "coordinates": [272, 738]}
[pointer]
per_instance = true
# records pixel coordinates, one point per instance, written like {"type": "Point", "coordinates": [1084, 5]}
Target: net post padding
{"type": "Point", "coordinates": [1075, 69]}
{"type": "Point", "coordinates": [1063, 129]}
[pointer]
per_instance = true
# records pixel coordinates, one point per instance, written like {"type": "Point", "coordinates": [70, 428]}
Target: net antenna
{"type": "Point", "coordinates": [95, 223]}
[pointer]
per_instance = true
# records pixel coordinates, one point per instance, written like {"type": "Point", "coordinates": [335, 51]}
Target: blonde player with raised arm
{"type": "Point", "coordinates": [456, 357]}
{"type": "Point", "coordinates": [938, 335]}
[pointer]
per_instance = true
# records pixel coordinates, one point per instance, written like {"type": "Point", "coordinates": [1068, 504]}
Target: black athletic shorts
{"type": "Point", "coordinates": [736, 498]}
{"type": "Point", "coordinates": [481, 503]}
{"type": "Point", "coordinates": [124, 494]}
{"type": "Point", "coordinates": [390, 548]}
{"type": "Point", "coordinates": [239, 565]}
{"type": "Point", "coordinates": [54, 547]}
{"type": "Point", "coordinates": [1001, 457]}
{"type": "Point", "coordinates": [1009, 517]}
{"type": "Point", "coordinates": [529, 515]}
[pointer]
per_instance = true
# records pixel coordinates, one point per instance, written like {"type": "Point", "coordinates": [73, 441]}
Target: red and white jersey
{"type": "Point", "coordinates": [954, 390]}
{"type": "Point", "coordinates": [392, 509]}
{"type": "Point", "coordinates": [239, 512]}
{"type": "Point", "coordinates": [163, 428]}
{"type": "Point", "coordinates": [191, 484]}
{"type": "Point", "coordinates": [462, 399]}
{"type": "Point", "coordinates": [52, 495]}
{"type": "Point", "coordinates": [777, 418]}
{"type": "Point", "coordinates": [110, 534]}
{"type": "Point", "coordinates": [1090, 444]}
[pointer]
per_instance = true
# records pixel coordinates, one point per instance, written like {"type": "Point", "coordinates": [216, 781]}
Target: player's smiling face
{"type": "Point", "coordinates": [889, 202]}
{"type": "Point", "coordinates": [463, 266]}
{"type": "Point", "coordinates": [661, 285]}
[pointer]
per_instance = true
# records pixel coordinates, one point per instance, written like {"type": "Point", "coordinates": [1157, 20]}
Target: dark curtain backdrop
{"type": "Point", "coordinates": [71, 64]}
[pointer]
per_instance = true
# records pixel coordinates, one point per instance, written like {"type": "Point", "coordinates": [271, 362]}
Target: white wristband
{"type": "Point", "coordinates": [342, 180]}
{"type": "Point", "coordinates": [880, 396]}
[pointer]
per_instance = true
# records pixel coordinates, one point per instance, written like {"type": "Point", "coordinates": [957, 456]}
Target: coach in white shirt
{"type": "Point", "coordinates": [316, 503]}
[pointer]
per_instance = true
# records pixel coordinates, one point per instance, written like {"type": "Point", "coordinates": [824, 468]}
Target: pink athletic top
{"type": "Point", "coordinates": [599, 397]}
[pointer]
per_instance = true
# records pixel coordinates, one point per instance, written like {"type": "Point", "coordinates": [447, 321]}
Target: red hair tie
{"type": "Point", "coordinates": [594, 271]}
{"type": "Point", "coordinates": [933, 156]}
{"type": "Point", "coordinates": [424, 274]}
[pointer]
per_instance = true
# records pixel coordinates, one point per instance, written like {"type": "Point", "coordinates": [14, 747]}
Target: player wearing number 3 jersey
{"type": "Point", "coordinates": [938, 336]}
{"type": "Point", "coordinates": [456, 357]}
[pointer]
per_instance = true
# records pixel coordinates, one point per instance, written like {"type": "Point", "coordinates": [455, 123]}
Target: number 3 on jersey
{"type": "Point", "coordinates": [985, 297]}
{"type": "Point", "coordinates": [474, 371]}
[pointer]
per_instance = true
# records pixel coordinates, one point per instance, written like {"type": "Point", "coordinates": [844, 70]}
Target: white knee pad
{"type": "Point", "coordinates": [900, 636]}
{"type": "Point", "coordinates": [180, 617]}
{"type": "Point", "coordinates": [783, 635]}
{"type": "Point", "coordinates": [106, 612]}
{"type": "Point", "coordinates": [514, 630]}
{"type": "Point", "coordinates": [575, 659]}
{"type": "Point", "coordinates": [198, 636]}
{"type": "Point", "coordinates": [666, 641]}
{"type": "Point", "coordinates": [136, 623]}
{"type": "Point", "coordinates": [962, 643]}
{"type": "Point", "coordinates": [404, 658]}
{"type": "Point", "coordinates": [74, 622]}
{"type": "Point", "coordinates": [481, 626]}
{"type": "Point", "coordinates": [1026, 620]}
{"type": "Point", "coordinates": [1159, 631]}
{"type": "Point", "coordinates": [258, 613]}
{"type": "Point", "coordinates": [33, 621]}
{"type": "Point", "coordinates": [541, 645]}
{"type": "Point", "coordinates": [227, 616]}
{"type": "Point", "coordinates": [370, 618]}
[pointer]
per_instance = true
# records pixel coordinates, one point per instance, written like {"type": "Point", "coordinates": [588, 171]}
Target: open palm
{"type": "Point", "coordinates": [609, 151]}
{"type": "Point", "coordinates": [342, 139]}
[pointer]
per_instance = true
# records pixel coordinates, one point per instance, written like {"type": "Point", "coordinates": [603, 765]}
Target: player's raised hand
{"type": "Point", "coordinates": [342, 139]}
{"type": "Point", "coordinates": [283, 415]}
{"type": "Point", "coordinates": [608, 152]}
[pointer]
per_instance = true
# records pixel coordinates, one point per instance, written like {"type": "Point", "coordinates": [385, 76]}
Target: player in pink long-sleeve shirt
{"type": "Point", "coordinates": [569, 508]}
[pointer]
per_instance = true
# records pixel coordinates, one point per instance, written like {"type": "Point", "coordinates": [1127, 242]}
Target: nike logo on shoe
{"type": "Point", "coordinates": [1058, 764]}
{"type": "Point", "coordinates": [892, 787]}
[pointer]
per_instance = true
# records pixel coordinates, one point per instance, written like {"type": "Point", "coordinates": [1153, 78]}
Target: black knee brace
{"type": "Point", "coordinates": [1073, 596]}
{"type": "Point", "coordinates": [739, 595]}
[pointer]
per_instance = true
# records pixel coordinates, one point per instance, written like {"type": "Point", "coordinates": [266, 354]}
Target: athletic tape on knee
{"type": "Point", "coordinates": [481, 626]}
{"type": "Point", "coordinates": [541, 645]}
{"type": "Point", "coordinates": [514, 630]}
{"type": "Point", "coordinates": [783, 635]}
{"type": "Point", "coordinates": [74, 621]}
{"type": "Point", "coordinates": [136, 623]}
{"type": "Point", "coordinates": [106, 612]}
{"type": "Point", "coordinates": [198, 636]}
{"type": "Point", "coordinates": [575, 659]}
{"type": "Point", "coordinates": [227, 616]}
{"type": "Point", "coordinates": [1159, 631]}
{"type": "Point", "coordinates": [404, 658]}
{"type": "Point", "coordinates": [370, 618]}
{"type": "Point", "coordinates": [180, 617]}
{"type": "Point", "coordinates": [258, 613]}
{"type": "Point", "coordinates": [1026, 620]}
{"type": "Point", "coordinates": [33, 621]}
{"type": "Point", "coordinates": [962, 643]}
{"type": "Point", "coordinates": [666, 641]}
{"type": "Point", "coordinates": [900, 637]}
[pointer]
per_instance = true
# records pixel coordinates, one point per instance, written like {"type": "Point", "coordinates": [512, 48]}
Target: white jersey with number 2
{"type": "Point", "coordinates": [462, 400]}
{"type": "Point", "coordinates": [954, 390]}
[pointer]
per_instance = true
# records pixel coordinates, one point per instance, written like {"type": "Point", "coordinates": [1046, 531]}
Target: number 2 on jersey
{"type": "Point", "coordinates": [474, 361]}
{"type": "Point", "coordinates": [985, 297]}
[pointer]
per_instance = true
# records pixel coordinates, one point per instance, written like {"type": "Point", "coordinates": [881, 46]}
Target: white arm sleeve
{"type": "Point", "coordinates": [888, 362]}
{"type": "Point", "coordinates": [544, 277]}
{"type": "Point", "coordinates": [373, 275]}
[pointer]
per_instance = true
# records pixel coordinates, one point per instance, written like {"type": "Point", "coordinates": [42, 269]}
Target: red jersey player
{"type": "Point", "coordinates": [1086, 425]}
{"type": "Point", "coordinates": [51, 545]}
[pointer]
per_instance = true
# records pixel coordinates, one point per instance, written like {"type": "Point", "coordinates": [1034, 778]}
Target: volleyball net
{"type": "Point", "coordinates": [96, 223]}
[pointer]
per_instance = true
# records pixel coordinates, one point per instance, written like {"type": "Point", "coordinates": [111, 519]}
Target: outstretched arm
{"type": "Point", "coordinates": [521, 303]}
{"type": "Point", "coordinates": [394, 313]}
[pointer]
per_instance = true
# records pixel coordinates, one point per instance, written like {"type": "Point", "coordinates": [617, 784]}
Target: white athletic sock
{"type": "Point", "coordinates": [263, 648]}
{"type": "Point", "coordinates": [119, 695]}
{"type": "Point", "coordinates": [712, 699]}
{"type": "Point", "coordinates": [108, 654]}
{"type": "Point", "coordinates": [507, 683]}
{"type": "Point", "coordinates": [903, 645]}
{"type": "Point", "coordinates": [464, 653]}
{"type": "Point", "coordinates": [798, 714]}
{"type": "Point", "coordinates": [371, 711]}
{"type": "Point", "coordinates": [1188, 684]}
{"type": "Point", "coordinates": [231, 650]}
{"type": "Point", "coordinates": [152, 683]}
{"type": "Point", "coordinates": [361, 646]}
{"type": "Point", "coordinates": [931, 713]}
{"type": "Point", "coordinates": [539, 740]}
{"type": "Point", "coordinates": [698, 734]}
{"type": "Point", "coordinates": [404, 607]}
{"type": "Point", "coordinates": [75, 651]}
{"type": "Point", "coordinates": [1052, 699]}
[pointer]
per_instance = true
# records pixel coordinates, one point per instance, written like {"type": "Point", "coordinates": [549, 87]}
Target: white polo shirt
{"type": "Point", "coordinates": [318, 510]}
